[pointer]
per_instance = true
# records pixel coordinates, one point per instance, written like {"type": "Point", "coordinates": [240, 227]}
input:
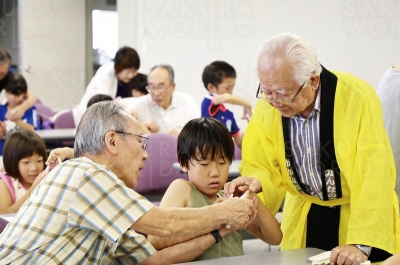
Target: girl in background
{"type": "Point", "coordinates": [24, 157]}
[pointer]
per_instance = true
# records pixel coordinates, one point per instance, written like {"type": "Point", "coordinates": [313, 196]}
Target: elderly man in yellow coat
{"type": "Point", "coordinates": [317, 139]}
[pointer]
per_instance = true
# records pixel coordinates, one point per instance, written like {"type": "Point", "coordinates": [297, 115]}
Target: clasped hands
{"type": "Point", "coordinates": [239, 218]}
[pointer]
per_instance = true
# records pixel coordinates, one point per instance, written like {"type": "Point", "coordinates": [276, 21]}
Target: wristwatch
{"type": "Point", "coordinates": [216, 235]}
{"type": "Point", "coordinates": [366, 250]}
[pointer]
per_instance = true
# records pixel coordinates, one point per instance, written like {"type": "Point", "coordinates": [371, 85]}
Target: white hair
{"type": "Point", "coordinates": [300, 55]}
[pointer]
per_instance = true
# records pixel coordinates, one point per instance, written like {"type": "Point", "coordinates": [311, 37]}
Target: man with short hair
{"type": "Point", "coordinates": [163, 107]}
{"type": "Point", "coordinates": [85, 210]}
{"type": "Point", "coordinates": [317, 139]}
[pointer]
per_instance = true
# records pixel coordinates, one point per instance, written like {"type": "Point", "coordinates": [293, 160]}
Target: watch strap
{"type": "Point", "coordinates": [216, 235]}
{"type": "Point", "coordinates": [366, 250]}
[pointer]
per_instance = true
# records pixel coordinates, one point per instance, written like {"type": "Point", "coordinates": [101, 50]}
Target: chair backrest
{"type": "Point", "coordinates": [43, 111]}
{"type": "Point", "coordinates": [45, 115]}
{"type": "Point", "coordinates": [3, 224]}
{"type": "Point", "coordinates": [158, 173]}
{"type": "Point", "coordinates": [64, 120]}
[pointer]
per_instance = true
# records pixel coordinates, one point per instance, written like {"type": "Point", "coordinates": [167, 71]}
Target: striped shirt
{"type": "Point", "coordinates": [76, 215]}
{"type": "Point", "coordinates": [304, 138]}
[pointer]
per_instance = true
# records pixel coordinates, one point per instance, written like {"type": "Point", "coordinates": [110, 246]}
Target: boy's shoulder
{"type": "Point", "coordinates": [179, 185]}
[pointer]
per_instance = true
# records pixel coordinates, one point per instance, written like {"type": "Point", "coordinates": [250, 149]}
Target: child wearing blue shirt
{"type": "Point", "coordinates": [16, 93]}
{"type": "Point", "coordinates": [219, 80]}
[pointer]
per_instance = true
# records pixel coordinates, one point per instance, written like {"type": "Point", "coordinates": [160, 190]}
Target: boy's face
{"type": "Point", "coordinates": [14, 100]}
{"type": "Point", "coordinates": [227, 85]}
{"type": "Point", "coordinates": [208, 176]}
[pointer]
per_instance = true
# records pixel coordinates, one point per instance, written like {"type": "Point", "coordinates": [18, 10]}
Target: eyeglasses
{"type": "Point", "coordinates": [159, 88]}
{"type": "Point", "coordinates": [146, 138]}
{"type": "Point", "coordinates": [282, 101]}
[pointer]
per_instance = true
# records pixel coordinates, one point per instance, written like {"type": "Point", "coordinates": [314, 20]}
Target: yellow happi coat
{"type": "Point", "coordinates": [369, 205]}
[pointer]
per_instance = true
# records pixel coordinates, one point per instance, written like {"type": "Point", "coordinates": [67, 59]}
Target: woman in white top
{"type": "Point", "coordinates": [115, 79]}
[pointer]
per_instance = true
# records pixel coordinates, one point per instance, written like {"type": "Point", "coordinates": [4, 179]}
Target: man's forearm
{"type": "Point", "coordinates": [29, 101]}
{"type": "Point", "coordinates": [183, 252]}
{"type": "Point", "coordinates": [179, 222]}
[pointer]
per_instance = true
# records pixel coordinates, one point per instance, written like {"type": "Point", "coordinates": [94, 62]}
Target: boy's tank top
{"type": "Point", "coordinates": [230, 245]}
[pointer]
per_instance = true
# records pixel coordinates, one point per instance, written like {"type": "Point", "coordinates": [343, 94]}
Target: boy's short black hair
{"type": "Point", "coordinates": [126, 58]}
{"type": "Point", "coordinates": [98, 98]}
{"type": "Point", "coordinates": [139, 82]}
{"type": "Point", "coordinates": [216, 71]}
{"type": "Point", "coordinates": [204, 136]}
{"type": "Point", "coordinates": [21, 144]}
{"type": "Point", "coordinates": [16, 84]}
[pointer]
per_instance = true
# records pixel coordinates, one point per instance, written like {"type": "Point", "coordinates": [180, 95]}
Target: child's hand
{"type": "Point", "coordinates": [15, 114]}
{"type": "Point", "coordinates": [38, 179]}
{"type": "Point", "coordinates": [62, 153]}
{"type": "Point", "coordinates": [247, 113]}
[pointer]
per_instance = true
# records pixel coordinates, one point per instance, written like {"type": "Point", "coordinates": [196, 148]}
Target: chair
{"type": "Point", "coordinates": [158, 173]}
{"type": "Point", "coordinates": [64, 120]}
{"type": "Point", "coordinates": [45, 115]}
{"type": "Point", "coordinates": [3, 224]}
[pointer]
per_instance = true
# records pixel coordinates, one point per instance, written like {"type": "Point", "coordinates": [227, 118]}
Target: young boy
{"type": "Point", "coordinates": [219, 79]}
{"type": "Point", "coordinates": [205, 151]}
{"type": "Point", "coordinates": [16, 93]}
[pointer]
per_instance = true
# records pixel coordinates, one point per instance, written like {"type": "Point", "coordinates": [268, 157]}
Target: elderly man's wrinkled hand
{"type": "Point", "coordinates": [240, 185]}
{"type": "Point", "coordinates": [239, 211]}
{"type": "Point", "coordinates": [347, 255]}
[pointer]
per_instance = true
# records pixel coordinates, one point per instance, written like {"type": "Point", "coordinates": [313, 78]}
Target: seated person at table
{"type": "Point", "coordinates": [86, 211]}
{"type": "Point", "coordinates": [16, 92]}
{"type": "Point", "coordinates": [23, 158]}
{"type": "Point", "coordinates": [205, 151]}
{"type": "Point", "coordinates": [5, 75]}
{"type": "Point", "coordinates": [163, 107]}
{"type": "Point", "coordinates": [219, 80]}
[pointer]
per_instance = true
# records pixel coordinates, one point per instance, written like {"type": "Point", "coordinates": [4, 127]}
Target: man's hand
{"type": "Point", "coordinates": [152, 126]}
{"type": "Point", "coordinates": [15, 114]}
{"type": "Point", "coordinates": [239, 186]}
{"type": "Point", "coordinates": [238, 212]}
{"type": "Point", "coordinates": [348, 255]}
